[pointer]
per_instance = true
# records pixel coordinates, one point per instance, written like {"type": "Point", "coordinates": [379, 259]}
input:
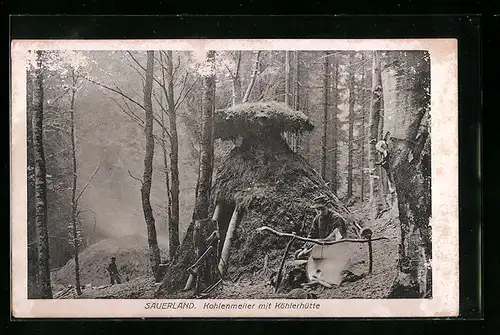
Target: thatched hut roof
{"type": "Point", "coordinates": [253, 118]}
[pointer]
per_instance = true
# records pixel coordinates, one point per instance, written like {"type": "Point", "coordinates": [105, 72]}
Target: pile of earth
{"type": "Point", "coordinates": [132, 259]}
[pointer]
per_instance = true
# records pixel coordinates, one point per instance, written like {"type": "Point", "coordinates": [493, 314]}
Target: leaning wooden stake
{"type": "Point", "coordinates": [227, 242]}
{"type": "Point", "coordinates": [278, 276]}
{"type": "Point", "coordinates": [370, 253]}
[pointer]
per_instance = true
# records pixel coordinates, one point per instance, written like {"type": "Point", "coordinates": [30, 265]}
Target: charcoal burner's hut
{"type": "Point", "coordinates": [261, 182]}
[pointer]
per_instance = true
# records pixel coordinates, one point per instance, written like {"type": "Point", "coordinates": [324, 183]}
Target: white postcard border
{"type": "Point", "coordinates": [444, 147]}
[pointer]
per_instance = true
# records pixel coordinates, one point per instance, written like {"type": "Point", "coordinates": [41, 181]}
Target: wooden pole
{"type": "Point", "coordinates": [317, 241]}
{"type": "Point", "coordinates": [370, 254]}
{"type": "Point", "coordinates": [227, 242]}
{"type": "Point", "coordinates": [367, 233]}
{"type": "Point", "coordinates": [278, 276]}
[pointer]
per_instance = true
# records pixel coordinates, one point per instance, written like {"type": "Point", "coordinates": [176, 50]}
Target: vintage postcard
{"type": "Point", "coordinates": [234, 178]}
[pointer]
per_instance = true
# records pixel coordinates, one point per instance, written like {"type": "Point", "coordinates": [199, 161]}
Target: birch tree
{"type": "Point", "coordinates": [43, 277]}
{"type": "Point", "coordinates": [376, 104]}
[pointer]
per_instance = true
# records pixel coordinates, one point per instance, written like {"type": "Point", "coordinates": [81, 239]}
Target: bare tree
{"type": "Point", "coordinates": [154, 251]}
{"type": "Point", "coordinates": [44, 284]}
{"type": "Point", "coordinates": [168, 89]}
{"type": "Point", "coordinates": [74, 206]}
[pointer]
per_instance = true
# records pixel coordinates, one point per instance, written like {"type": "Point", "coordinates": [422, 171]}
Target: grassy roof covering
{"type": "Point", "coordinates": [253, 118]}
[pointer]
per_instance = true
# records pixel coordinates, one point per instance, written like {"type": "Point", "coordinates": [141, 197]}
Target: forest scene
{"type": "Point", "coordinates": [229, 174]}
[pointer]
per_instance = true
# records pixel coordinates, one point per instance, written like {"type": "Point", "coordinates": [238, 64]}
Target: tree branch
{"type": "Point", "coordinates": [318, 241]}
{"type": "Point", "coordinates": [117, 91]}
{"type": "Point", "coordinates": [89, 181]}
{"type": "Point", "coordinates": [179, 101]}
{"type": "Point", "coordinates": [253, 77]}
{"type": "Point", "coordinates": [136, 178]}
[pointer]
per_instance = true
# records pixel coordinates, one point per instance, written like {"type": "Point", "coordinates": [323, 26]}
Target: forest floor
{"type": "Point", "coordinates": [373, 286]}
{"type": "Point", "coordinates": [132, 256]}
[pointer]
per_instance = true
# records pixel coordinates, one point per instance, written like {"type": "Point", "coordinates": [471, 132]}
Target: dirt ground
{"type": "Point", "coordinates": [373, 286]}
{"type": "Point", "coordinates": [254, 285]}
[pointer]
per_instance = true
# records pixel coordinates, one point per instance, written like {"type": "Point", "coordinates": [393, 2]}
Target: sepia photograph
{"type": "Point", "coordinates": [238, 178]}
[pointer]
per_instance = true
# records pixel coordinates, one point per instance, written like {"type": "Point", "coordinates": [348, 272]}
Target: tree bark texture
{"type": "Point", "coordinates": [44, 285]}
{"type": "Point", "coordinates": [287, 78]}
{"type": "Point", "coordinates": [375, 116]}
{"type": "Point", "coordinates": [32, 229]}
{"type": "Point", "coordinates": [297, 137]}
{"type": "Point", "coordinates": [168, 204]}
{"type": "Point", "coordinates": [326, 87]}
{"type": "Point", "coordinates": [236, 80]}
{"type": "Point", "coordinates": [410, 167]}
{"type": "Point", "coordinates": [205, 171]}
{"type": "Point", "coordinates": [173, 228]}
{"type": "Point", "coordinates": [74, 205]}
{"type": "Point", "coordinates": [350, 145]}
{"type": "Point", "coordinates": [333, 181]}
{"type": "Point", "coordinates": [362, 132]}
{"type": "Point", "coordinates": [154, 251]}
{"type": "Point", "coordinates": [255, 73]}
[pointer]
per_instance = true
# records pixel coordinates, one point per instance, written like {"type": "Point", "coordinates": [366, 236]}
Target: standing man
{"type": "Point", "coordinates": [113, 272]}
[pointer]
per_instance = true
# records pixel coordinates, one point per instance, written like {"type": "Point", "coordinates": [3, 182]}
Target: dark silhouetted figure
{"type": "Point", "coordinates": [113, 272]}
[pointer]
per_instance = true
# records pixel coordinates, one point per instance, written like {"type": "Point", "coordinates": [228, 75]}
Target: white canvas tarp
{"type": "Point", "coordinates": [326, 262]}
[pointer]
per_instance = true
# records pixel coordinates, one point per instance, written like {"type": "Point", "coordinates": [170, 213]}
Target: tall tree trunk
{"type": "Point", "coordinates": [154, 251]}
{"type": "Point", "coordinates": [32, 231]}
{"type": "Point", "coordinates": [202, 202]}
{"type": "Point", "coordinates": [383, 182]}
{"type": "Point", "coordinates": [44, 285]}
{"type": "Point", "coordinates": [168, 205]}
{"type": "Point", "coordinates": [335, 121]}
{"type": "Point", "coordinates": [287, 78]}
{"type": "Point", "coordinates": [288, 136]}
{"type": "Point", "coordinates": [173, 228]}
{"type": "Point", "coordinates": [375, 107]}
{"type": "Point", "coordinates": [236, 80]}
{"type": "Point", "coordinates": [74, 205]}
{"type": "Point", "coordinates": [350, 146]}
{"type": "Point", "coordinates": [325, 115]}
{"type": "Point", "coordinates": [255, 73]}
{"type": "Point", "coordinates": [296, 137]}
{"type": "Point", "coordinates": [410, 167]}
{"type": "Point", "coordinates": [362, 132]}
